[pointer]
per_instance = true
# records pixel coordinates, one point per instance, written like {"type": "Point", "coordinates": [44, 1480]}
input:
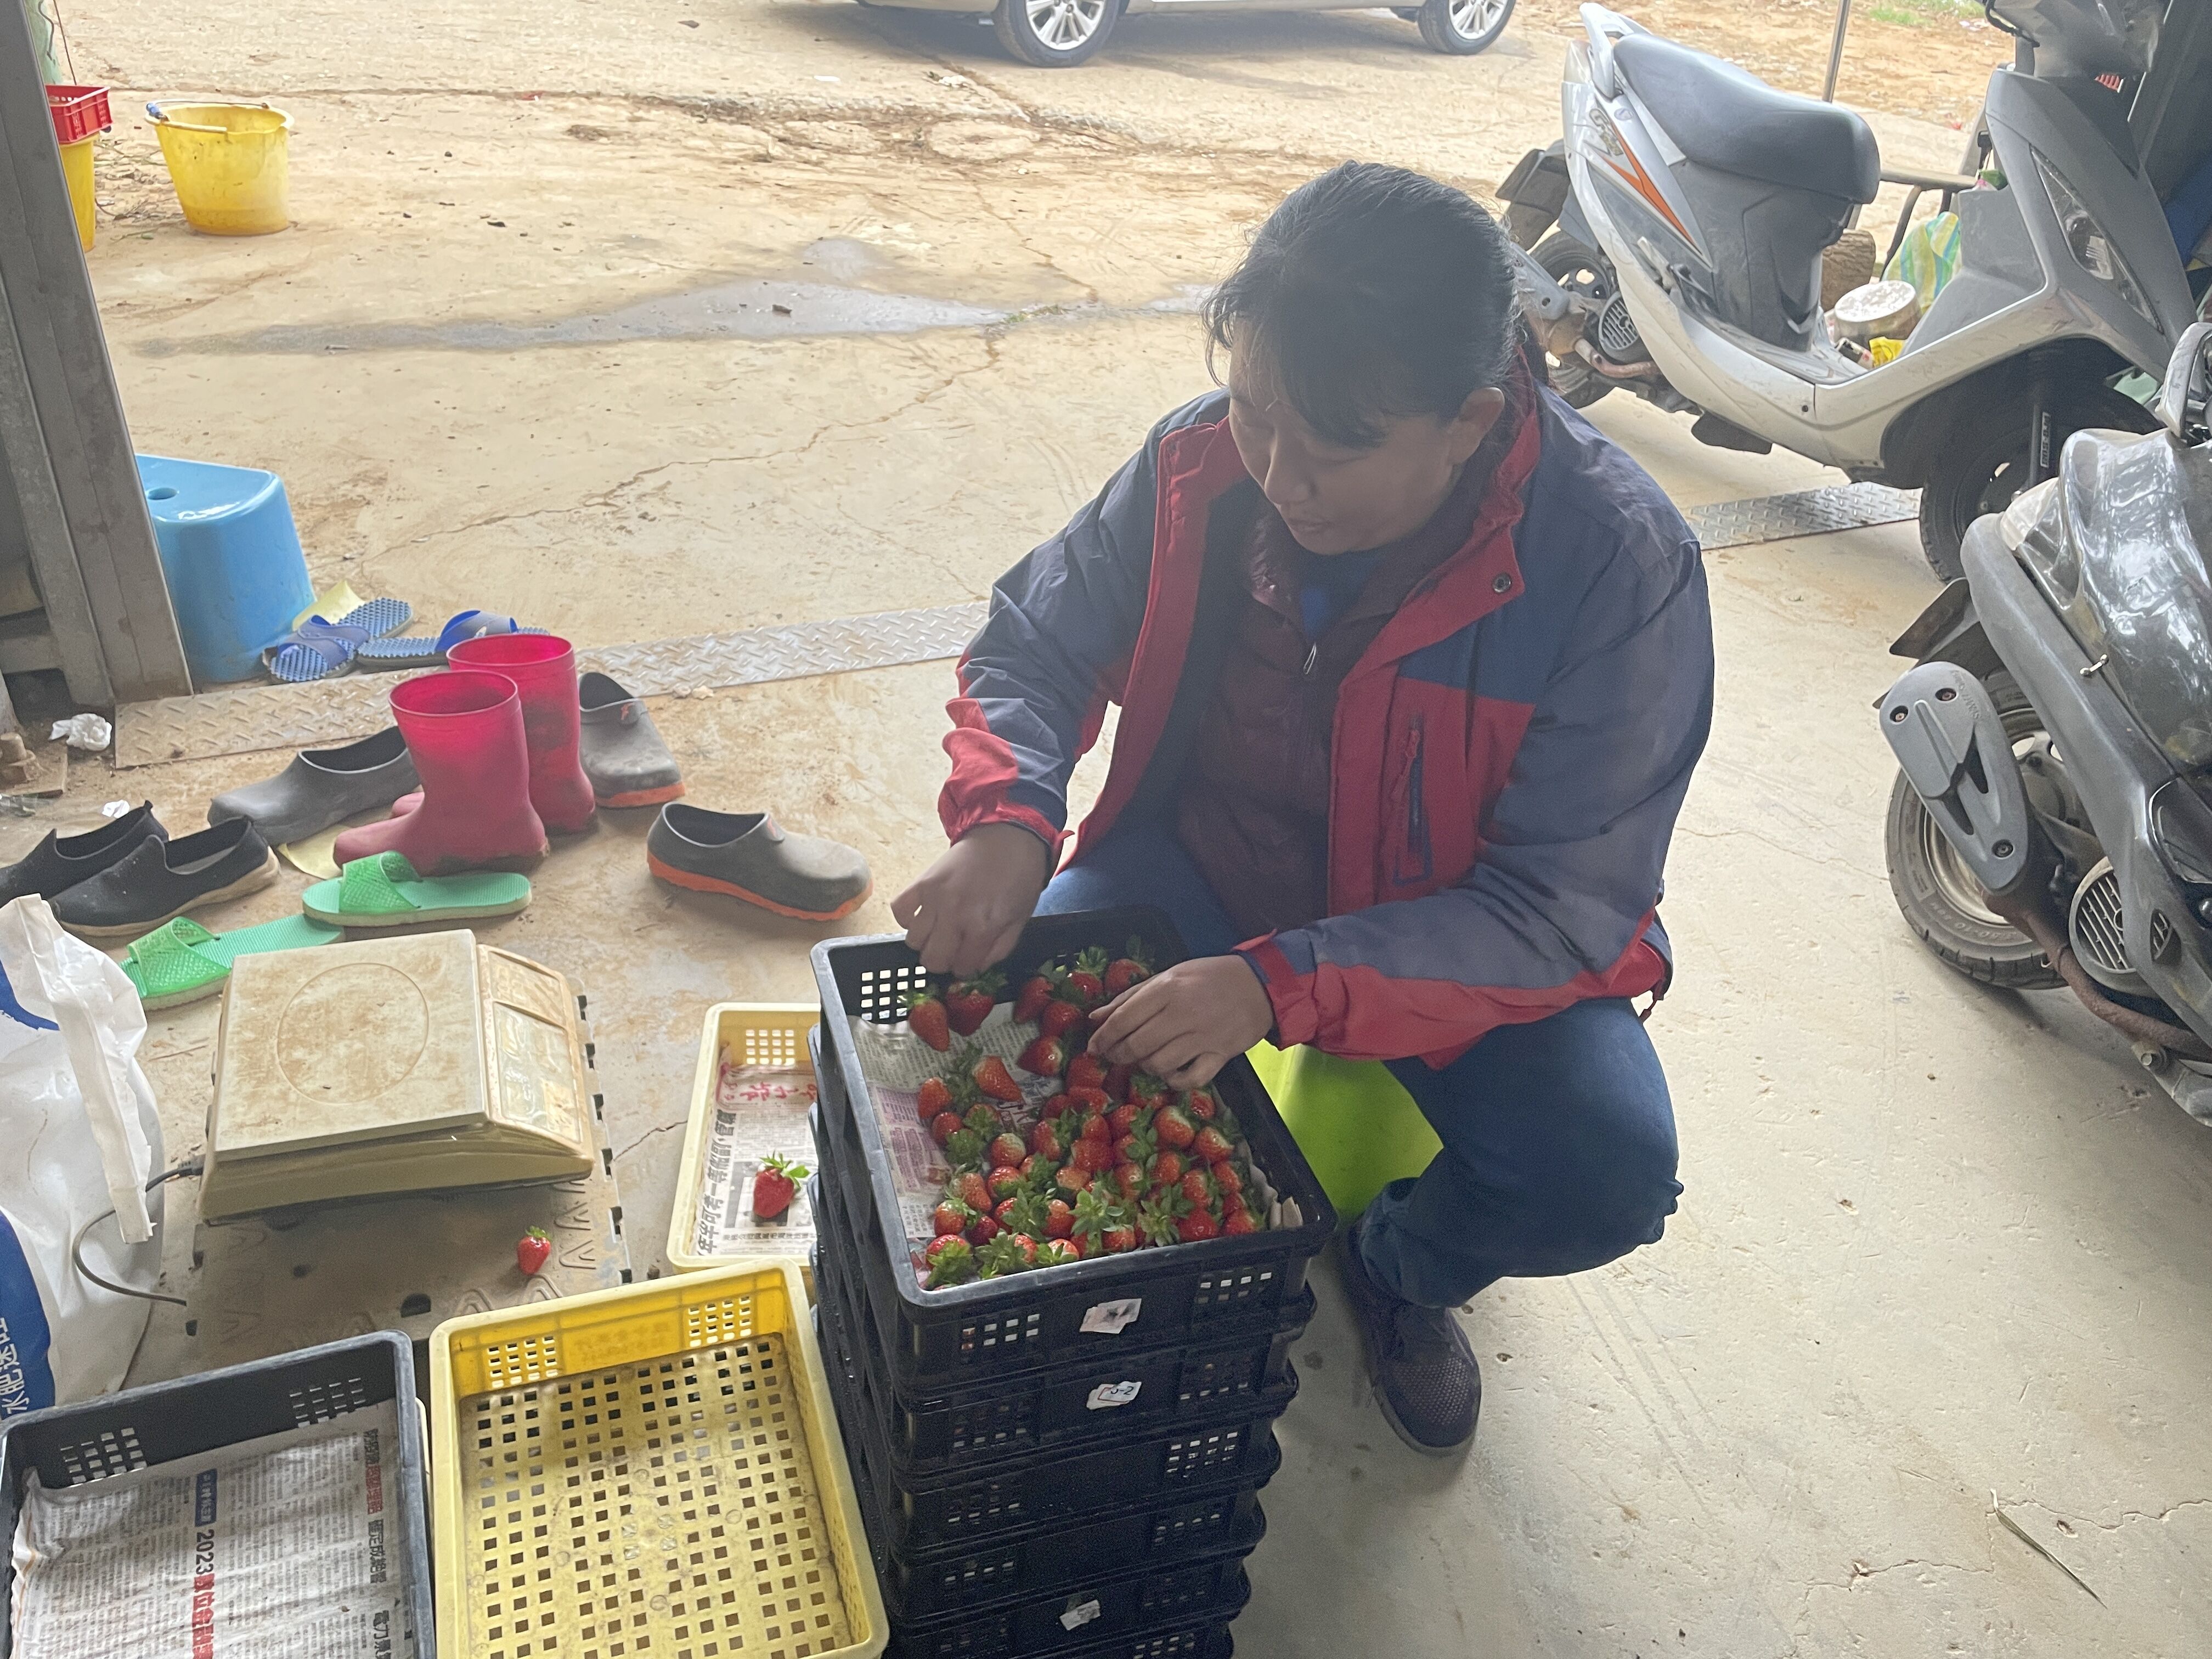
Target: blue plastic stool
{"type": "Point", "coordinates": [1357, 1126]}
{"type": "Point", "coordinates": [236, 574]}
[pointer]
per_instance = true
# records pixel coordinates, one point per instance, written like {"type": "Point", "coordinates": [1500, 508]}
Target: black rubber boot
{"type": "Point", "coordinates": [1425, 1378]}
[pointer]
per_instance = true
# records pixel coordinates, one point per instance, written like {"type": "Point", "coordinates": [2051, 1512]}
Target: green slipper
{"type": "Point", "coordinates": [385, 891]}
{"type": "Point", "coordinates": [183, 962]}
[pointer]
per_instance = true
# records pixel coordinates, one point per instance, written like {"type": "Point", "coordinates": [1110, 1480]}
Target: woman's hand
{"type": "Point", "coordinates": [1186, 1022]}
{"type": "Point", "coordinates": [969, 907]}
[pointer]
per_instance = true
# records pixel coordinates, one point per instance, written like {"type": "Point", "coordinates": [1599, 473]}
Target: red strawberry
{"type": "Point", "coordinates": [993, 1077]}
{"type": "Point", "coordinates": [1005, 1182]}
{"type": "Point", "coordinates": [1059, 1219]}
{"type": "Point", "coordinates": [1097, 1213]}
{"type": "Point", "coordinates": [952, 1260]}
{"type": "Point", "coordinates": [1086, 986]}
{"type": "Point", "coordinates": [1197, 1225]}
{"type": "Point", "coordinates": [1008, 1149]}
{"type": "Point", "coordinates": [1156, 1220]}
{"type": "Point", "coordinates": [973, 1191]}
{"type": "Point", "coordinates": [1092, 1100]}
{"type": "Point", "coordinates": [776, 1186]}
{"type": "Point", "coordinates": [1045, 1141]}
{"type": "Point", "coordinates": [1119, 1239]}
{"type": "Point", "coordinates": [1129, 1178]}
{"type": "Point", "coordinates": [968, 1003]}
{"type": "Point", "coordinates": [1008, 1252]}
{"type": "Point", "coordinates": [1095, 1127]}
{"type": "Point", "coordinates": [1033, 1163]}
{"type": "Point", "coordinates": [1173, 1125]}
{"type": "Point", "coordinates": [1237, 1221]}
{"type": "Point", "coordinates": [934, 1096]}
{"type": "Point", "coordinates": [982, 1230]}
{"type": "Point", "coordinates": [1073, 1179]}
{"type": "Point", "coordinates": [1117, 1080]}
{"type": "Point", "coordinates": [1038, 989]}
{"type": "Point", "coordinates": [1126, 969]}
{"type": "Point", "coordinates": [1166, 1169]}
{"type": "Point", "coordinates": [944, 1127]}
{"type": "Point", "coordinates": [1087, 1070]}
{"type": "Point", "coordinates": [1058, 1253]}
{"type": "Point", "coordinates": [1211, 1145]}
{"type": "Point", "coordinates": [1091, 1157]}
{"type": "Point", "coordinates": [983, 1118]}
{"type": "Point", "coordinates": [532, 1250]}
{"type": "Point", "coordinates": [963, 1149]}
{"type": "Point", "coordinates": [1058, 1019]}
{"type": "Point", "coordinates": [1203, 1104]}
{"type": "Point", "coordinates": [950, 1216]}
{"type": "Point", "coordinates": [1122, 1119]}
{"type": "Point", "coordinates": [1226, 1176]}
{"type": "Point", "coordinates": [925, 1018]}
{"type": "Point", "coordinates": [1046, 1057]}
{"type": "Point", "coordinates": [1198, 1188]}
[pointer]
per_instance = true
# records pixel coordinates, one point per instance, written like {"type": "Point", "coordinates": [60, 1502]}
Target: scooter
{"type": "Point", "coordinates": [1693, 203]}
{"type": "Point", "coordinates": [2052, 821]}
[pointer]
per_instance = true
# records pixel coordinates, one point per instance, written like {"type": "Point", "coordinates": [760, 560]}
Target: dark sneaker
{"type": "Point", "coordinates": [1427, 1380]}
{"type": "Point", "coordinates": [321, 787]}
{"type": "Point", "coordinates": [748, 856]}
{"type": "Point", "coordinates": [163, 879]}
{"type": "Point", "coordinates": [59, 862]}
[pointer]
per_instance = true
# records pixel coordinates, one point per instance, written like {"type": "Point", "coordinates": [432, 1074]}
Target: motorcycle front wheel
{"type": "Point", "coordinates": [1936, 892]}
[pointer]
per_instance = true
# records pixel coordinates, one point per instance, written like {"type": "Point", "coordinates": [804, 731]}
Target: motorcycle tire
{"type": "Point", "coordinates": [1581, 271]}
{"type": "Point", "coordinates": [1937, 895]}
{"type": "Point", "coordinates": [1984, 461]}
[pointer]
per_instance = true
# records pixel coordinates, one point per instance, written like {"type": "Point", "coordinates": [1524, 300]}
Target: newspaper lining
{"type": "Point", "coordinates": [758, 1109]}
{"type": "Point", "coordinates": [283, 1548]}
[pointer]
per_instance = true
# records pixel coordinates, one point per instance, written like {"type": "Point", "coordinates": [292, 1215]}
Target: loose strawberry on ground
{"type": "Point", "coordinates": [532, 1250]}
{"type": "Point", "coordinates": [1046, 1056]}
{"type": "Point", "coordinates": [968, 1003]}
{"type": "Point", "coordinates": [992, 1077]}
{"type": "Point", "coordinates": [927, 1018]}
{"type": "Point", "coordinates": [775, 1185]}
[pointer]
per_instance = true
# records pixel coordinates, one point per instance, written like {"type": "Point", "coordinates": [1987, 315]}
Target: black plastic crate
{"type": "Point", "coordinates": [1031, 1320]}
{"type": "Point", "coordinates": [164, 1422]}
{"type": "Point", "coordinates": [1099, 1396]}
{"type": "Point", "coordinates": [950, 1512]}
{"type": "Point", "coordinates": [1182, 1641]}
{"type": "Point", "coordinates": [1132, 1609]}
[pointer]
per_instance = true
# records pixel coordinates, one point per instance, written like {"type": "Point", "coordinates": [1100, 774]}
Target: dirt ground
{"type": "Point", "coordinates": [1942, 1256]}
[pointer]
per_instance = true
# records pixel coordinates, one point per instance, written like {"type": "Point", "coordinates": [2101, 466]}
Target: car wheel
{"type": "Point", "coordinates": [1462, 26]}
{"type": "Point", "coordinates": [1055, 34]}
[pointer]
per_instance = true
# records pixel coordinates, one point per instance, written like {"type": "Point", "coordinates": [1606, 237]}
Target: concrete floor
{"type": "Point", "coordinates": [1941, 1252]}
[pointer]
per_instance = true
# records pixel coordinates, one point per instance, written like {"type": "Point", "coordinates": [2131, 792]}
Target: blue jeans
{"type": "Point", "coordinates": [1558, 1135]}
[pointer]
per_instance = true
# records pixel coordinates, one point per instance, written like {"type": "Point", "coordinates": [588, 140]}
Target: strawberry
{"type": "Point", "coordinates": [950, 1216]}
{"type": "Point", "coordinates": [964, 1148]}
{"type": "Point", "coordinates": [1198, 1188]}
{"type": "Point", "coordinates": [1211, 1145]}
{"type": "Point", "coordinates": [1038, 989]}
{"type": "Point", "coordinates": [1092, 1100]}
{"type": "Point", "coordinates": [1095, 1127]}
{"type": "Point", "coordinates": [1008, 1252]}
{"type": "Point", "coordinates": [944, 1127]}
{"type": "Point", "coordinates": [1005, 1182]}
{"type": "Point", "coordinates": [1173, 1125]}
{"type": "Point", "coordinates": [1097, 1214]}
{"type": "Point", "coordinates": [776, 1186]}
{"type": "Point", "coordinates": [532, 1251]}
{"type": "Point", "coordinates": [1058, 1253]}
{"type": "Point", "coordinates": [968, 1002]}
{"type": "Point", "coordinates": [1118, 1239]}
{"type": "Point", "coordinates": [992, 1077]}
{"type": "Point", "coordinates": [1129, 1178]}
{"type": "Point", "coordinates": [972, 1190]}
{"type": "Point", "coordinates": [1073, 1179]}
{"type": "Point", "coordinates": [1238, 1220]}
{"type": "Point", "coordinates": [1037, 1167]}
{"type": "Point", "coordinates": [1165, 1169]}
{"type": "Point", "coordinates": [982, 1230]}
{"type": "Point", "coordinates": [1122, 1119]}
{"type": "Point", "coordinates": [1024, 1213]}
{"type": "Point", "coordinates": [1202, 1103]}
{"type": "Point", "coordinates": [1059, 1220]}
{"type": "Point", "coordinates": [934, 1096]}
{"type": "Point", "coordinates": [1091, 1157]}
{"type": "Point", "coordinates": [1045, 1057]}
{"type": "Point", "coordinates": [1227, 1176]}
{"type": "Point", "coordinates": [1117, 1080]}
{"type": "Point", "coordinates": [1008, 1149]}
{"type": "Point", "coordinates": [1045, 1141]}
{"type": "Point", "coordinates": [1058, 1019]}
{"type": "Point", "coordinates": [1087, 1070]}
{"type": "Point", "coordinates": [1197, 1225]}
{"type": "Point", "coordinates": [983, 1118]}
{"type": "Point", "coordinates": [952, 1260]}
{"type": "Point", "coordinates": [1156, 1220]}
{"type": "Point", "coordinates": [1086, 986]}
{"type": "Point", "coordinates": [1127, 969]}
{"type": "Point", "coordinates": [927, 1018]}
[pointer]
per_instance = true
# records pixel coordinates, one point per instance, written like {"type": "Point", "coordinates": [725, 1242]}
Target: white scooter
{"type": "Point", "coordinates": [1693, 203]}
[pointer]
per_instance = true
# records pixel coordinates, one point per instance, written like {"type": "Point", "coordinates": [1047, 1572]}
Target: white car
{"type": "Point", "coordinates": [1061, 34]}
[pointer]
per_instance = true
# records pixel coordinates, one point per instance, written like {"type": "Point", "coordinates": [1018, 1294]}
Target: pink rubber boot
{"type": "Point", "coordinates": [465, 733]}
{"type": "Point", "coordinates": [543, 669]}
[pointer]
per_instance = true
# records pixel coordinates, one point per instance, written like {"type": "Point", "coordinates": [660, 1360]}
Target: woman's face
{"type": "Point", "coordinates": [1348, 500]}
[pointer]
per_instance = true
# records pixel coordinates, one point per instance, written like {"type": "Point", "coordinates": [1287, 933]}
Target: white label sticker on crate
{"type": "Point", "coordinates": [1079, 1615]}
{"type": "Point", "coordinates": [1112, 1318]}
{"type": "Point", "coordinates": [1107, 1396]}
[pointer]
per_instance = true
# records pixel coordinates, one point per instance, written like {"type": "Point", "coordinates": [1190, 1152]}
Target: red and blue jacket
{"type": "Point", "coordinates": [1507, 758]}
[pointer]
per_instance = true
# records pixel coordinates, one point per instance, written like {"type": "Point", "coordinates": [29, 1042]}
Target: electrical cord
{"type": "Point", "coordinates": [76, 1250]}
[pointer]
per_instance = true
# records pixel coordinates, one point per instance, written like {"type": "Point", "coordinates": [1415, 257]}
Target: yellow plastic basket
{"type": "Point", "coordinates": [768, 1034]}
{"type": "Point", "coordinates": [648, 1472]}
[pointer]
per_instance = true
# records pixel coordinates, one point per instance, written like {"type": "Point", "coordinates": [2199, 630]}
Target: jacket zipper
{"type": "Point", "coordinates": [1313, 656]}
{"type": "Point", "coordinates": [1417, 816]}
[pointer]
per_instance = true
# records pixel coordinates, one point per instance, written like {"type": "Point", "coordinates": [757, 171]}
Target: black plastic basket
{"type": "Point", "coordinates": [1029, 1319]}
{"type": "Point", "coordinates": [163, 1422]}
{"type": "Point", "coordinates": [984, 1419]}
{"type": "Point", "coordinates": [1180, 1641]}
{"type": "Point", "coordinates": [961, 1510]}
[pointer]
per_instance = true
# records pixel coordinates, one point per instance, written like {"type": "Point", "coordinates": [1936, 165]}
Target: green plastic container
{"type": "Point", "coordinates": [1359, 1129]}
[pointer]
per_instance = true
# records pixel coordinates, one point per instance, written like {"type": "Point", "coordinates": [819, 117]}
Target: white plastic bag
{"type": "Point", "coordinates": [79, 1136]}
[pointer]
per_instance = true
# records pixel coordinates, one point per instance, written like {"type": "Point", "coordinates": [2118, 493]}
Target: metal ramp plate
{"type": "Point", "coordinates": [1805, 513]}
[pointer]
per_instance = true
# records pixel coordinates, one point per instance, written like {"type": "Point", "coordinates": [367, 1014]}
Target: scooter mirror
{"type": "Point", "coordinates": [2182, 400]}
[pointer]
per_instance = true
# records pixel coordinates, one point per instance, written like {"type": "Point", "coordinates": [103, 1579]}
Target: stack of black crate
{"type": "Point", "coordinates": [1069, 1462]}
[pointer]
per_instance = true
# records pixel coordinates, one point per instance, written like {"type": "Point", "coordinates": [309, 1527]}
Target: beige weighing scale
{"type": "Point", "coordinates": [389, 1115]}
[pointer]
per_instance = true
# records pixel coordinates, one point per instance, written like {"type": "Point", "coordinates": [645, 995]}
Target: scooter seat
{"type": "Point", "coordinates": [1724, 117]}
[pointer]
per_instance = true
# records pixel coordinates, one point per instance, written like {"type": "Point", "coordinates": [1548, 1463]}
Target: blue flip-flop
{"type": "Point", "coordinates": [424, 653]}
{"type": "Point", "coordinates": [318, 648]}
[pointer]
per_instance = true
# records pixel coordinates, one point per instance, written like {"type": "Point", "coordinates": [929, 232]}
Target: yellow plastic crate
{"type": "Point", "coordinates": [648, 1472]}
{"type": "Point", "coordinates": [767, 1034]}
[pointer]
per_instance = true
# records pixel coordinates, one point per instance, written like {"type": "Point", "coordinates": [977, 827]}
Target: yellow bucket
{"type": "Point", "coordinates": [76, 169]}
{"type": "Point", "coordinates": [228, 162]}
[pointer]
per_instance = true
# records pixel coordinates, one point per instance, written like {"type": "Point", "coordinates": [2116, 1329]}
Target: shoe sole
{"type": "Point", "coordinates": [253, 882]}
{"type": "Point", "coordinates": [643, 797]}
{"type": "Point", "coordinates": [180, 999]}
{"type": "Point", "coordinates": [1374, 1380]}
{"type": "Point", "coordinates": [415, 918]}
{"type": "Point", "coordinates": [696, 884]}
